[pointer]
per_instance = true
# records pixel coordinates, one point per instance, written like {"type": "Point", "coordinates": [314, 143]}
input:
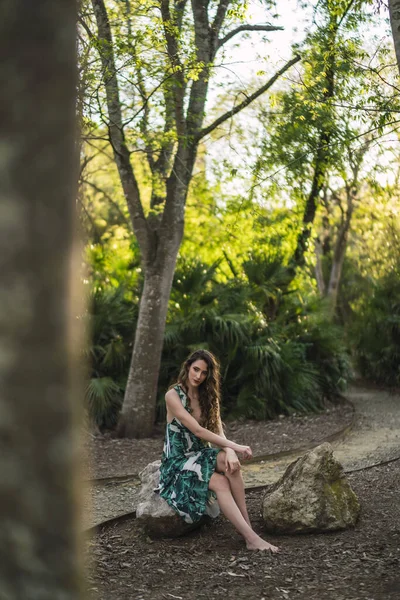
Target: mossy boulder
{"type": "Point", "coordinates": [313, 495]}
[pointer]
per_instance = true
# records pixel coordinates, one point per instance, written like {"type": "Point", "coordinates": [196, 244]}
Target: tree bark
{"type": "Point", "coordinates": [320, 170]}
{"type": "Point", "coordinates": [138, 413]}
{"type": "Point", "coordinates": [319, 274]}
{"type": "Point", "coordinates": [340, 250]}
{"type": "Point", "coordinates": [39, 555]}
{"type": "Point", "coordinates": [394, 12]}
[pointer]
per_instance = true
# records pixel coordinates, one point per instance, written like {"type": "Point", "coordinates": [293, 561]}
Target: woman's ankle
{"type": "Point", "coordinates": [252, 537]}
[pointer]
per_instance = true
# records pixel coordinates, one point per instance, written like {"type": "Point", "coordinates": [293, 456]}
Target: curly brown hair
{"type": "Point", "coordinates": [209, 390]}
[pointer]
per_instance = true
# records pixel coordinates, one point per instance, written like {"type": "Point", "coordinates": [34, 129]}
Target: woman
{"type": "Point", "coordinates": [192, 472]}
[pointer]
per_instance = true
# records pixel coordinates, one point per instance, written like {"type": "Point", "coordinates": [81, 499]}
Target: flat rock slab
{"type": "Point", "coordinates": [103, 502]}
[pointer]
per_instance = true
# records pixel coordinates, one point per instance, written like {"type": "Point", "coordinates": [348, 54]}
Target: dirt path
{"type": "Point", "coordinates": [375, 437]}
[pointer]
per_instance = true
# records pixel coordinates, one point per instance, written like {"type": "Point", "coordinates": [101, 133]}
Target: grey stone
{"type": "Point", "coordinates": [154, 513]}
{"type": "Point", "coordinates": [313, 495]}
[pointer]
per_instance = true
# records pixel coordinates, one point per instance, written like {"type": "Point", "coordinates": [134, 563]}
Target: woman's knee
{"type": "Point", "coordinates": [221, 458]}
{"type": "Point", "coordinates": [218, 483]}
{"type": "Point", "coordinates": [234, 474]}
{"type": "Point", "coordinates": [221, 465]}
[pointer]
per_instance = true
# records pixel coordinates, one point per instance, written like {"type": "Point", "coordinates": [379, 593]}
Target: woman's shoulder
{"type": "Point", "coordinates": [177, 387]}
{"type": "Point", "coordinates": [172, 392]}
{"type": "Point", "coordinates": [176, 391]}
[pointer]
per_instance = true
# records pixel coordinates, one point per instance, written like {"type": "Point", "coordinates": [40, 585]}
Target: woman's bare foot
{"type": "Point", "coordinates": [262, 545]}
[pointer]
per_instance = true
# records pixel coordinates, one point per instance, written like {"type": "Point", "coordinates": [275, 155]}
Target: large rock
{"type": "Point", "coordinates": [154, 513]}
{"type": "Point", "coordinates": [313, 495]}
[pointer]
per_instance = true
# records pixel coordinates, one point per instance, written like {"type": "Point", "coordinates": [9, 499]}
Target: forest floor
{"type": "Point", "coordinates": [358, 564]}
{"type": "Point", "coordinates": [113, 457]}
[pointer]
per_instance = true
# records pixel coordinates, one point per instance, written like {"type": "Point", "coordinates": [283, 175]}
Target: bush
{"type": "Point", "coordinates": [278, 355]}
{"type": "Point", "coordinates": [111, 320]}
{"type": "Point", "coordinates": [269, 366]}
{"type": "Point", "coordinates": [376, 332]}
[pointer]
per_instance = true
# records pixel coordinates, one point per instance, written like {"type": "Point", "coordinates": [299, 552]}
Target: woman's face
{"type": "Point", "coordinates": [197, 372]}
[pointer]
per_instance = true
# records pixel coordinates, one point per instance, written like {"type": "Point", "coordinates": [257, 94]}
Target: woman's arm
{"type": "Point", "coordinates": [232, 463]}
{"type": "Point", "coordinates": [176, 409]}
{"type": "Point", "coordinates": [222, 433]}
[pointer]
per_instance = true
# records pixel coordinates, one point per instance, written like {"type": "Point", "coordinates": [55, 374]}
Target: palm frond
{"type": "Point", "coordinates": [104, 398]}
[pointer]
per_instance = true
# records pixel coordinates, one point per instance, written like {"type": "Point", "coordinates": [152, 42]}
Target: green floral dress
{"type": "Point", "coordinates": [187, 465]}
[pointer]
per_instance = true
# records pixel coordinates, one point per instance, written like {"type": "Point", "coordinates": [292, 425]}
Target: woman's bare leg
{"type": "Point", "coordinates": [237, 485]}
{"type": "Point", "coordinates": [221, 486]}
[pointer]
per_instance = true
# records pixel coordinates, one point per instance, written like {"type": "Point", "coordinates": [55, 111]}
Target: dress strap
{"type": "Point", "coordinates": [182, 396]}
{"type": "Point", "coordinates": [168, 447]}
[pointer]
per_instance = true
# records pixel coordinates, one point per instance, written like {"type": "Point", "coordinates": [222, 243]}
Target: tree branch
{"type": "Point", "coordinates": [247, 101]}
{"type": "Point", "coordinates": [179, 85]}
{"type": "Point", "coordinates": [204, 56]}
{"type": "Point", "coordinates": [115, 126]}
{"type": "Point", "coordinates": [220, 15]}
{"type": "Point", "coordinates": [180, 6]}
{"type": "Point", "coordinates": [110, 200]}
{"type": "Point", "coordinates": [86, 28]}
{"type": "Point", "coordinates": [247, 28]}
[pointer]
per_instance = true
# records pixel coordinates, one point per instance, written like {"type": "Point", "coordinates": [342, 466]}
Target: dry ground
{"type": "Point", "coordinates": [359, 564]}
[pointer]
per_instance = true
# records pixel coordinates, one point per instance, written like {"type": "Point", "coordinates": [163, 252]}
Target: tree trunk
{"type": "Point", "coordinates": [319, 274]}
{"type": "Point", "coordinates": [310, 210]}
{"type": "Point", "coordinates": [138, 413]}
{"type": "Point", "coordinates": [321, 158]}
{"type": "Point", "coordinates": [340, 252]}
{"type": "Point", "coordinates": [394, 12]}
{"type": "Point", "coordinates": [38, 533]}
{"type": "Point", "coordinates": [337, 266]}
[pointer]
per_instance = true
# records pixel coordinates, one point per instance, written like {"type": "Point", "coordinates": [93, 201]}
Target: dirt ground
{"type": "Point", "coordinates": [358, 564]}
{"type": "Point", "coordinates": [109, 456]}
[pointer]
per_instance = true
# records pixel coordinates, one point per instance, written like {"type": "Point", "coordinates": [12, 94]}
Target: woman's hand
{"type": "Point", "coordinates": [232, 463]}
{"type": "Point", "coordinates": [245, 451]}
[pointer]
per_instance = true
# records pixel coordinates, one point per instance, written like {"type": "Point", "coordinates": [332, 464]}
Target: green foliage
{"type": "Point", "coordinates": [110, 321]}
{"type": "Point", "coordinates": [376, 332]}
{"type": "Point", "coordinates": [269, 365]}
{"type": "Point", "coordinates": [282, 364]}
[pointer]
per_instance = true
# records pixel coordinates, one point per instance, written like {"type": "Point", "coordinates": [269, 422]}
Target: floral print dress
{"type": "Point", "coordinates": [187, 465]}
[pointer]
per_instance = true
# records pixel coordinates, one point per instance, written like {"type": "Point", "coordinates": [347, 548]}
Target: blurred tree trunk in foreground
{"type": "Point", "coordinates": [38, 542]}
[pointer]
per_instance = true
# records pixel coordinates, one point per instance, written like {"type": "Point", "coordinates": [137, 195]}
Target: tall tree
{"type": "Point", "coordinates": [170, 66]}
{"type": "Point", "coordinates": [325, 115]}
{"type": "Point", "coordinates": [332, 244]}
{"type": "Point", "coordinates": [38, 535]}
{"type": "Point", "coordinates": [328, 40]}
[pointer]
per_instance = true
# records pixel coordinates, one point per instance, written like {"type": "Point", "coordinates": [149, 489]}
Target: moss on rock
{"type": "Point", "coordinates": [313, 495]}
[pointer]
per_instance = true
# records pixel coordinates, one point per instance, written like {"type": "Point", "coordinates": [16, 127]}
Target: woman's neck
{"type": "Point", "coordinates": [192, 391]}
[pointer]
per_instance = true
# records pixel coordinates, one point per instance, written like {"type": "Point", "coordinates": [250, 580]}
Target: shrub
{"type": "Point", "coordinates": [110, 319]}
{"type": "Point", "coordinates": [269, 366]}
{"type": "Point", "coordinates": [376, 332]}
{"type": "Point", "coordinates": [278, 355]}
